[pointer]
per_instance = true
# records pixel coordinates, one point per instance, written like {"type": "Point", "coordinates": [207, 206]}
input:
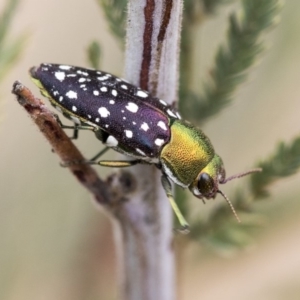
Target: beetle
{"type": "Point", "coordinates": [133, 122]}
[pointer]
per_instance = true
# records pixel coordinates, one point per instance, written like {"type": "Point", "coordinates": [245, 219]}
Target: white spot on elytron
{"type": "Point", "coordinates": [159, 142]}
{"type": "Point", "coordinates": [74, 108]}
{"type": "Point", "coordinates": [142, 94]}
{"type": "Point", "coordinates": [60, 75]}
{"type": "Point", "coordinates": [106, 125]}
{"type": "Point", "coordinates": [111, 141]}
{"type": "Point", "coordinates": [170, 113]}
{"type": "Point", "coordinates": [162, 125]}
{"type": "Point", "coordinates": [71, 94]}
{"type": "Point", "coordinates": [140, 151]}
{"type": "Point", "coordinates": [132, 107]}
{"type": "Point", "coordinates": [61, 98]}
{"type": "Point", "coordinates": [64, 67]}
{"type": "Point", "coordinates": [123, 86]}
{"type": "Point", "coordinates": [75, 119]}
{"type": "Point", "coordinates": [114, 93]}
{"type": "Point", "coordinates": [82, 79]}
{"type": "Point", "coordinates": [82, 73]}
{"type": "Point", "coordinates": [178, 115]}
{"type": "Point", "coordinates": [45, 69]}
{"type": "Point", "coordinates": [145, 126]}
{"type": "Point", "coordinates": [89, 116]}
{"type": "Point", "coordinates": [55, 93]}
{"type": "Point", "coordinates": [103, 89]}
{"type": "Point", "coordinates": [99, 72]}
{"type": "Point", "coordinates": [103, 111]}
{"type": "Point", "coordinates": [112, 102]}
{"type": "Point", "coordinates": [102, 78]}
{"type": "Point", "coordinates": [134, 123]}
{"type": "Point", "coordinates": [122, 111]}
{"type": "Point", "coordinates": [118, 79]}
{"type": "Point", "coordinates": [82, 85]}
{"type": "Point", "coordinates": [97, 120]}
{"type": "Point", "coordinates": [96, 93]}
{"type": "Point", "coordinates": [128, 133]}
{"type": "Point", "coordinates": [163, 102]}
{"type": "Point", "coordinates": [124, 118]}
{"type": "Point", "coordinates": [71, 75]}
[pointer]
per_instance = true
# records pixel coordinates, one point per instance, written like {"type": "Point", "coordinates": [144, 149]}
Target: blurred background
{"type": "Point", "coordinates": [55, 244]}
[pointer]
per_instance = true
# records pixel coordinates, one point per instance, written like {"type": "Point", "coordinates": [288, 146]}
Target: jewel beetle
{"type": "Point", "coordinates": [133, 122]}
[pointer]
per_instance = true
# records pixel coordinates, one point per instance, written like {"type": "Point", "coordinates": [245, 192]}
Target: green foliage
{"type": "Point", "coordinates": [115, 13]}
{"type": "Point", "coordinates": [94, 54]}
{"type": "Point", "coordinates": [284, 162]}
{"type": "Point", "coordinates": [210, 6]}
{"type": "Point", "coordinates": [220, 230]}
{"type": "Point", "coordinates": [232, 60]}
{"type": "Point", "coordinates": [9, 50]}
{"type": "Point", "coordinates": [195, 11]}
{"type": "Point", "coordinates": [223, 234]}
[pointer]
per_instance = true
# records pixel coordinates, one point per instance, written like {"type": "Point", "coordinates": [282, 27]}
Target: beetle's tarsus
{"type": "Point", "coordinates": [183, 229]}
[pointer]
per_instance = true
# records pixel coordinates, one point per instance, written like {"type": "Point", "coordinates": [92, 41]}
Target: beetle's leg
{"type": "Point", "coordinates": [75, 127]}
{"type": "Point", "coordinates": [104, 150]}
{"type": "Point", "coordinates": [115, 163]}
{"type": "Point", "coordinates": [168, 189]}
{"type": "Point", "coordinates": [107, 163]}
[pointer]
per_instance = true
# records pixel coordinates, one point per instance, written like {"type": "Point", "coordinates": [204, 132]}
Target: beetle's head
{"type": "Point", "coordinates": [206, 184]}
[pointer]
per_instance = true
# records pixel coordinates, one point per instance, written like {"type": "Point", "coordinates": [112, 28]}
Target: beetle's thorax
{"type": "Point", "coordinates": [187, 153]}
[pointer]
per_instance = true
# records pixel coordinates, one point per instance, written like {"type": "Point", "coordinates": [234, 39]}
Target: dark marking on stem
{"type": "Point", "coordinates": [167, 9]}
{"type": "Point", "coordinates": [128, 182]}
{"type": "Point", "coordinates": [52, 128]}
{"type": "Point", "coordinates": [31, 109]}
{"type": "Point", "coordinates": [79, 175]}
{"type": "Point", "coordinates": [165, 21]}
{"type": "Point", "coordinates": [147, 42]}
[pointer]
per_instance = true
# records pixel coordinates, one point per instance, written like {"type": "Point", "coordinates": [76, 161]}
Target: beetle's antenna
{"type": "Point", "coordinates": [241, 175]}
{"type": "Point", "coordinates": [230, 205]}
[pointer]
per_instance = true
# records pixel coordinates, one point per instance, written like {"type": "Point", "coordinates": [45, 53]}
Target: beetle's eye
{"type": "Point", "coordinates": [205, 184]}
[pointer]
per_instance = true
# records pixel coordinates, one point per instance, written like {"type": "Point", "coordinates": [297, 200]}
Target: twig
{"type": "Point", "coordinates": [62, 144]}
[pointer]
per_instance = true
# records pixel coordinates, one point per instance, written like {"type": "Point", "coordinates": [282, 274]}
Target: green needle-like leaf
{"type": "Point", "coordinates": [6, 19]}
{"type": "Point", "coordinates": [94, 54]}
{"type": "Point", "coordinates": [284, 162]}
{"type": "Point", "coordinates": [115, 13]}
{"type": "Point", "coordinates": [232, 61]}
{"type": "Point", "coordinates": [9, 51]}
{"type": "Point", "coordinates": [10, 54]}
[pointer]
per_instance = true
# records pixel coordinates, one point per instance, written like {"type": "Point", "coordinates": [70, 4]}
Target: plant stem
{"type": "Point", "coordinates": [144, 231]}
